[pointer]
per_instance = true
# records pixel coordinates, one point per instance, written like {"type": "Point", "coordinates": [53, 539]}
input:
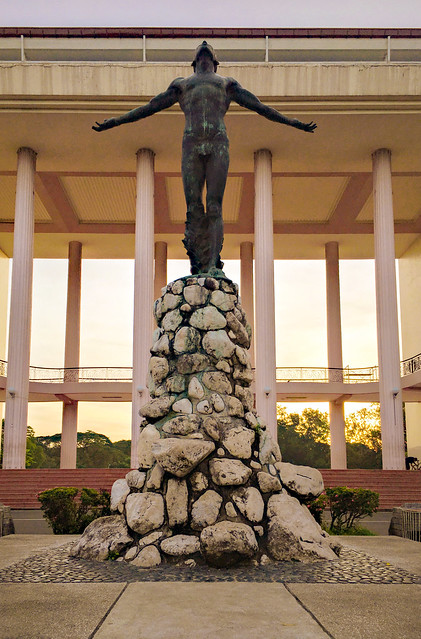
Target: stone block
{"type": "Point", "coordinates": [205, 510]}
{"type": "Point", "coordinates": [144, 512]}
{"type": "Point", "coordinates": [226, 543]}
{"type": "Point", "coordinates": [181, 456]}
{"type": "Point", "coordinates": [229, 472]}
{"type": "Point", "coordinates": [176, 502]}
{"type": "Point", "coordinates": [208, 319]}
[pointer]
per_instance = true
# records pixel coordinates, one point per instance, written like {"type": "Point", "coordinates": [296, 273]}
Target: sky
{"type": "Point", "coordinates": [107, 305]}
{"type": "Point", "coordinates": [213, 13]}
{"type": "Point", "coordinates": [106, 326]}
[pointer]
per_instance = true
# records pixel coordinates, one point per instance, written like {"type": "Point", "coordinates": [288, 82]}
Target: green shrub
{"type": "Point", "coordinates": [346, 505]}
{"type": "Point", "coordinates": [70, 513]}
{"type": "Point", "coordinates": [357, 531]}
{"type": "Point", "coordinates": [317, 506]}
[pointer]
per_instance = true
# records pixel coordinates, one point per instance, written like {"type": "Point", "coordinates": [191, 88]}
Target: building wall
{"type": "Point", "coordinates": [410, 298]}
{"type": "Point", "coordinates": [4, 294]}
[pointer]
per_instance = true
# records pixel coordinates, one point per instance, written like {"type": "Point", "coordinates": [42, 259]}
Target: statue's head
{"type": "Point", "coordinates": [205, 49]}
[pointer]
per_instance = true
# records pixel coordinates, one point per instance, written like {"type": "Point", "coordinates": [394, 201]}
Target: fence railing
{"type": "Point", "coordinates": [411, 523]}
{"type": "Point", "coordinates": [82, 374]}
{"type": "Point", "coordinates": [283, 374]}
{"type": "Point", "coordinates": [411, 365]}
{"type": "Point", "coordinates": [324, 375]}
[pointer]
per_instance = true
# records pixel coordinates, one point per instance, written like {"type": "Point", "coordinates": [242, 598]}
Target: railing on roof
{"type": "Point", "coordinates": [283, 374]}
{"type": "Point", "coordinates": [232, 45]}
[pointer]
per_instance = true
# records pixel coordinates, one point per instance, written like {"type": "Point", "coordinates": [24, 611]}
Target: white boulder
{"type": "Point", "coordinates": [250, 503]}
{"type": "Point", "coordinates": [303, 481]}
{"type": "Point", "coordinates": [144, 512]}
{"type": "Point", "coordinates": [205, 510]}
{"type": "Point", "coordinates": [226, 543]}
{"type": "Point", "coordinates": [229, 472]}
{"type": "Point", "coordinates": [180, 456]}
{"type": "Point", "coordinates": [181, 545]}
{"type": "Point", "coordinates": [119, 491]}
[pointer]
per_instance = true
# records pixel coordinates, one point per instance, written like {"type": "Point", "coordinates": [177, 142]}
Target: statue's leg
{"type": "Point", "coordinates": [193, 172]}
{"type": "Point", "coordinates": [216, 177]}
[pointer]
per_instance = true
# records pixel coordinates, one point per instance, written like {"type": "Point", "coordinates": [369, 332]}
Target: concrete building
{"type": "Point", "coordinates": [67, 192]}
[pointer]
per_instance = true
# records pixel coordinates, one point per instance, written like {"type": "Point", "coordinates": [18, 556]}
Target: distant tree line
{"type": "Point", "coordinates": [303, 438]}
{"type": "Point", "coordinates": [93, 451]}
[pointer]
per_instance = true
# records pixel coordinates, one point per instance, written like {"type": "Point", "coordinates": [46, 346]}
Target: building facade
{"type": "Point", "coordinates": [351, 192]}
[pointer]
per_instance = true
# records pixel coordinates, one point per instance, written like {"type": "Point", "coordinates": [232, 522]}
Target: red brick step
{"type": "Point", "coordinates": [19, 488]}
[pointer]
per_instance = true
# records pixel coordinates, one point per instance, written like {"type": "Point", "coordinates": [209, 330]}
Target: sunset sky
{"type": "Point", "coordinates": [107, 287]}
{"type": "Point", "coordinates": [106, 325]}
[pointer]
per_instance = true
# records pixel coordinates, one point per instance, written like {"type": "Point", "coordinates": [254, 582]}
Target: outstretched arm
{"type": "Point", "coordinates": [249, 101]}
{"type": "Point", "coordinates": [158, 103]}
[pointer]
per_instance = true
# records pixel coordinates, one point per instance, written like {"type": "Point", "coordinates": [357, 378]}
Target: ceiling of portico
{"type": "Point", "coordinates": [85, 186]}
{"type": "Point", "coordinates": [7, 202]}
{"type": "Point", "coordinates": [406, 196]}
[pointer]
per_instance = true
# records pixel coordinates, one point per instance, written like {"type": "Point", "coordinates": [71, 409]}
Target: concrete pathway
{"type": "Point", "coordinates": [217, 610]}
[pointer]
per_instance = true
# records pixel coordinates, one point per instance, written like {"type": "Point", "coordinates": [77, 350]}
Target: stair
{"type": "Point", "coordinates": [394, 486]}
{"type": "Point", "coordinates": [19, 488]}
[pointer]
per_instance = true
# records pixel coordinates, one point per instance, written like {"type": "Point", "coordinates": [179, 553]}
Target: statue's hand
{"type": "Point", "coordinates": [107, 124]}
{"type": "Point", "coordinates": [304, 127]}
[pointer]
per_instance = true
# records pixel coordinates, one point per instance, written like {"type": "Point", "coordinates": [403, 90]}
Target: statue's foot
{"type": "Point", "coordinates": [213, 271]}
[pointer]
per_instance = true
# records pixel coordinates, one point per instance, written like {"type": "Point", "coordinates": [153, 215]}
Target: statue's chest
{"type": "Point", "coordinates": [209, 90]}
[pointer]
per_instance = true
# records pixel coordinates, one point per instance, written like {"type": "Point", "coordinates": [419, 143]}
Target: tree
{"type": "Point", "coordinates": [296, 437]}
{"type": "Point", "coordinates": [35, 455]}
{"type": "Point", "coordinates": [315, 424]}
{"type": "Point", "coordinates": [305, 439]}
{"type": "Point", "coordinates": [97, 451]}
{"type": "Point", "coordinates": [363, 427]}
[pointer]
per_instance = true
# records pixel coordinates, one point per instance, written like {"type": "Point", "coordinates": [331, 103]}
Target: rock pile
{"type": "Point", "coordinates": [211, 485]}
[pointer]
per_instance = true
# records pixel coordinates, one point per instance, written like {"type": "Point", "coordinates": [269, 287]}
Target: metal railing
{"type": "Point", "coordinates": [411, 365]}
{"type": "Point", "coordinates": [325, 375]}
{"type": "Point", "coordinates": [411, 523]}
{"type": "Point", "coordinates": [82, 374]}
{"type": "Point", "coordinates": [88, 374]}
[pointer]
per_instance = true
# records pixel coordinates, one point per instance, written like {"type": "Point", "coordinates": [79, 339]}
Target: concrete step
{"type": "Point", "coordinates": [30, 522]}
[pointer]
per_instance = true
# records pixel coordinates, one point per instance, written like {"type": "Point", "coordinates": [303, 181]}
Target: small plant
{"type": "Point", "coordinates": [347, 505]}
{"type": "Point", "coordinates": [70, 513]}
{"type": "Point", "coordinates": [317, 506]}
{"type": "Point", "coordinates": [358, 531]}
{"type": "Point", "coordinates": [113, 555]}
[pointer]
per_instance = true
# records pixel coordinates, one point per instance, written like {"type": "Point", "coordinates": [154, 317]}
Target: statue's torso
{"type": "Point", "coordinates": [204, 101]}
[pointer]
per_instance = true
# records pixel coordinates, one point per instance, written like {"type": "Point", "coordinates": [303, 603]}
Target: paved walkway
{"type": "Point", "coordinates": [43, 596]}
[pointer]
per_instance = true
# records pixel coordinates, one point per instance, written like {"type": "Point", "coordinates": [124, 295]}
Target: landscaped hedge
{"type": "Point", "coordinates": [69, 512]}
{"type": "Point", "coordinates": [346, 505]}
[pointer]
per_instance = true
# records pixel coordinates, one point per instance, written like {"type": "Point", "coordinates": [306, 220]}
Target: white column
{"type": "Point", "coordinates": [17, 388]}
{"type": "Point", "coordinates": [265, 292]}
{"type": "Point", "coordinates": [143, 287]}
{"type": "Point", "coordinates": [387, 314]}
{"type": "Point", "coordinates": [71, 355]}
{"type": "Point", "coordinates": [160, 279]}
{"type": "Point", "coordinates": [247, 287]}
{"type": "Point", "coordinates": [334, 354]}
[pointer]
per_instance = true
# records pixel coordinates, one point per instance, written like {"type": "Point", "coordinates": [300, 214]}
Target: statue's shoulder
{"type": "Point", "coordinates": [232, 82]}
{"type": "Point", "coordinates": [177, 83]}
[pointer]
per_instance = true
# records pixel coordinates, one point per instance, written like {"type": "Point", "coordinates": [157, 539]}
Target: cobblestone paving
{"type": "Point", "coordinates": [55, 566]}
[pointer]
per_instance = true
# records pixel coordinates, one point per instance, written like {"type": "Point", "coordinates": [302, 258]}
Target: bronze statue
{"type": "Point", "coordinates": [204, 97]}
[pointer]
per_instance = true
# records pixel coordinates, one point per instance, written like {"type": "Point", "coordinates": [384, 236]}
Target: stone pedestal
{"type": "Point", "coordinates": [210, 483]}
